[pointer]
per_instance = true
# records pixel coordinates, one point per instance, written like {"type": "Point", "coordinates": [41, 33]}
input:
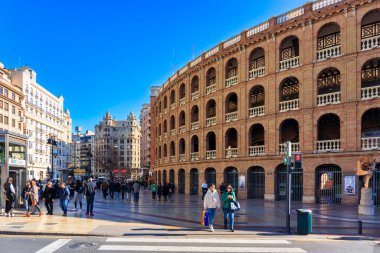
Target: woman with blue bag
{"type": "Point", "coordinates": [210, 203]}
{"type": "Point", "coordinates": [229, 197]}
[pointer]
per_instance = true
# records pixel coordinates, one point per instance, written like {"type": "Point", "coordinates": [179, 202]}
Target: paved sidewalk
{"type": "Point", "coordinates": [181, 217]}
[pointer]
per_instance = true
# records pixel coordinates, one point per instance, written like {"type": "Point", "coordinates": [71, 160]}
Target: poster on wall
{"type": "Point", "coordinates": [242, 183]}
{"type": "Point", "coordinates": [349, 185]}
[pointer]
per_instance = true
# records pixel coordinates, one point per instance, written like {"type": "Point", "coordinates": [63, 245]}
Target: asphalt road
{"type": "Point", "coordinates": [46, 244]}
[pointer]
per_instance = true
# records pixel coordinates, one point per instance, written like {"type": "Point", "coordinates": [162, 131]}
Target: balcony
{"type": "Point", "coordinates": [211, 154]}
{"type": "Point", "coordinates": [371, 143]}
{"type": "Point", "coordinates": [328, 145]}
{"type": "Point", "coordinates": [231, 81]}
{"type": "Point", "coordinates": [210, 89]}
{"type": "Point", "coordinates": [256, 150]}
{"type": "Point", "coordinates": [195, 156]}
{"type": "Point", "coordinates": [182, 157]}
{"type": "Point", "coordinates": [172, 106]}
{"type": "Point", "coordinates": [182, 129]}
{"type": "Point", "coordinates": [290, 63]}
{"type": "Point", "coordinates": [289, 105]}
{"type": "Point", "coordinates": [165, 135]}
{"type": "Point", "coordinates": [165, 160]}
{"type": "Point", "coordinates": [194, 125]}
{"type": "Point", "coordinates": [232, 116]}
{"type": "Point", "coordinates": [328, 52]}
{"type": "Point", "coordinates": [211, 121]}
{"type": "Point", "coordinates": [194, 95]}
{"type": "Point", "coordinates": [370, 36]}
{"type": "Point", "coordinates": [371, 92]}
{"type": "Point", "coordinates": [172, 158]}
{"type": "Point", "coordinates": [182, 101]}
{"type": "Point", "coordinates": [257, 111]}
{"type": "Point", "coordinates": [231, 152]}
{"type": "Point", "coordinates": [328, 99]}
{"type": "Point", "coordinates": [254, 73]}
{"type": "Point", "coordinates": [295, 147]}
{"type": "Point", "coordinates": [172, 132]}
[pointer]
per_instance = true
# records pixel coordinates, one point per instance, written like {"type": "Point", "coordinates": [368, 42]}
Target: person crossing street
{"type": "Point", "coordinates": [89, 192]}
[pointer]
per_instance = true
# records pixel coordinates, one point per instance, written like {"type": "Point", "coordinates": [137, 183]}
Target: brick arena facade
{"type": "Point", "coordinates": [310, 76]}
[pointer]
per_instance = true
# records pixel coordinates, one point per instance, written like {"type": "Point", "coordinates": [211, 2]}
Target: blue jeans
{"type": "Point", "coordinates": [63, 203]}
{"type": "Point", "coordinates": [229, 214]}
{"type": "Point", "coordinates": [90, 203]}
{"type": "Point", "coordinates": [211, 215]}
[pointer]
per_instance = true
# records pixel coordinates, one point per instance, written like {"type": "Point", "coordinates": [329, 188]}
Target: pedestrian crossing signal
{"type": "Point", "coordinates": [297, 161]}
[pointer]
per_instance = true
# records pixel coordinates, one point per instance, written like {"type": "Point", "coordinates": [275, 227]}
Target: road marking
{"type": "Point", "coordinates": [54, 246]}
{"type": "Point", "coordinates": [198, 249]}
{"type": "Point", "coordinates": [193, 240]}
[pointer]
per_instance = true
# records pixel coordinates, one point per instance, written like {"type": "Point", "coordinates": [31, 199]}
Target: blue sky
{"type": "Point", "coordinates": [104, 55]}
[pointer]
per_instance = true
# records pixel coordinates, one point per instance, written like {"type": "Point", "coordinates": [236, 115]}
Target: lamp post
{"type": "Point", "coordinates": [53, 143]}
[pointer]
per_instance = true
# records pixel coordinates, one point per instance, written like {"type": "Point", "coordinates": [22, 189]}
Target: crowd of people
{"type": "Point", "coordinates": [166, 190]}
{"type": "Point", "coordinates": [126, 188]}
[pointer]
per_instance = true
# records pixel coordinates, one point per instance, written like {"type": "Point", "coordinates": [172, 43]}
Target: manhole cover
{"type": "Point", "coordinates": [17, 223]}
{"type": "Point", "coordinates": [51, 223]}
{"type": "Point", "coordinates": [82, 245]}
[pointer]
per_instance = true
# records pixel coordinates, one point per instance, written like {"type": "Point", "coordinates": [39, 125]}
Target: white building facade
{"type": "Point", "coordinates": [145, 124]}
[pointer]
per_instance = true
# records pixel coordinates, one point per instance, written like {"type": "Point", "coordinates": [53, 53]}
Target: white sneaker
{"type": "Point", "coordinates": [211, 228]}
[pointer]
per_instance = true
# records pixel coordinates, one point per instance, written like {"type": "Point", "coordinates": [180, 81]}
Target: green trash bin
{"type": "Point", "coordinates": [304, 221]}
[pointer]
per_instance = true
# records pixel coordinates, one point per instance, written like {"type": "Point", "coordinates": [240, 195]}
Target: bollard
{"type": "Point", "coordinates": [360, 227]}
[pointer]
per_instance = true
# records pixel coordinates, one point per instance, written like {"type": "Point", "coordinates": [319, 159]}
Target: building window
{"type": "Point", "coordinates": [1, 118]}
{"type": "Point", "coordinates": [1, 104]}
{"type": "Point", "coordinates": [13, 96]}
{"type": "Point", "coordinates": [13, 123]}
{"type": "Point", "coordinates": [6, 120]}
{"type": "Point", "coordinates": [6, 92]}
{"type": "Point", "coordinates": [6, 106]}
{"type": "Point", "coordinates": [13, 109]}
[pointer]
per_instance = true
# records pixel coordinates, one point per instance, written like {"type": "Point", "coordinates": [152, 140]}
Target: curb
{"type": "Point", "coordinates": [53, 234]}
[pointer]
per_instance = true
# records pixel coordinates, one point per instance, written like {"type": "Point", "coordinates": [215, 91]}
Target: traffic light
{"type": "Point", "coordinates": [297, 161]}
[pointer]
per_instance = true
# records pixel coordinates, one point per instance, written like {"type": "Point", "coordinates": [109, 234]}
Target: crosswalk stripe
{"type": "Point", "coordinates": [53, 246]}
{"type": "Point", "coordinates": [198, 240]}
{"type": "Point", "coordinates": [199, 249]}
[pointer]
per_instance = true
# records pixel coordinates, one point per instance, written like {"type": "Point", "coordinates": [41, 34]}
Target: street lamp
{"type": "Point", "coordinates": [53, 143]}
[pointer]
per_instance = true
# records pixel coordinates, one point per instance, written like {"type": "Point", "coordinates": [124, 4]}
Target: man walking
{"type": "Point", "coordinates": [89, 192]}
{"type": "Point", "coordinates": [153, 188]}
{"type": "Point", "coordinates": [136, 191]}
{"type": "Point", "coordinates": [48, 196]}
{"type": "Point", "coordinates": [64, 196]}
{"type": "Point", "coordinates": [128, 190]}
{"type": "Point", "coordinates": [104, 187]}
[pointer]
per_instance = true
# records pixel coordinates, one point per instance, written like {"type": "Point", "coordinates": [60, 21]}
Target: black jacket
{"type": "Point", "coordinates": [49, 194]}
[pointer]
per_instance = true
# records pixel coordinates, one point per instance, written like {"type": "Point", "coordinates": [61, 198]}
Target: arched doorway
{"type": "Point", "coordinates": [256, 182]}
{"type": "Point", "coordinates": [280, 183]}
{"type": "Point", "coordinates": [194, 181]}
{"type": "Point", "coordinates": [231, 176]}
{"type": "Point", "coordinates": [210, 176]}
{"type": "Point", "coordinates": [171, 176]}
{"type": "Point", "coordinates": [181, 181]}
{"type": "Point", "coordinates": [328, 184]}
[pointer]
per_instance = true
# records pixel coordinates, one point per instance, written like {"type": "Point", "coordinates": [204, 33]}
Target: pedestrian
{"type": "Point", "coordinates": [117, 189]}
{"type": "Point", "coordinates": [172, 190]}
{"type": "Point", "coordinates": [204, 189]}
{"type": "Point", "coordinates": [159, 191]}
{"type": "Point", "coordinates": [210, 203]}
{"type": "Point", "coordinates": [128, 190]}
{"type": "Point", "coordinates": [26, 198]}
{"type": "Point", "coordinates": [104, 188]}
{"type": "Point", "coordinates": [10, 197]}
{"type": "Point", "coordinates": [222, 188]}
{"type": "Point", "coordinates": [111, 188]}
{"type": "Point", "coordinates": [78, 195]}
{"type": "Point", "coordinates": [48, 197]}
{"type": "Point", "coordinates": [34, 197]}
{"type": "Point", "coordinates": [64, 196]}
{"type": "Point", "coordinates": [227, 198]}
{"type": "Point", "coordinates": [89, 192]}
{"type": "Point", "coordinates": [153, 189]}
{"type": "Point", "coordinates": [165, 191]}
{"type": "Point", "coordinates": [122, 189]}
{"type": "Point", "coordinates": [136, 191]}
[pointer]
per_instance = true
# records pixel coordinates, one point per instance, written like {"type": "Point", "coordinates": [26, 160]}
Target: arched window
{"type": "Point", "coordinates": [257, 63]}
{"type": "Point", "coordinates": [256, 140]}
{"type": "Point", "coordinates": [211, 113]}
{"type": "Point", "coordinates": [172, 149]}
{"type": "Point", "coordinates": [231, 107]}
{"type": "Point", "coordinates": [289, 131]}
{"type": "Point", "coordinates": [256, 101]}
{"type": "Point", "coordinates": [194, 117]}
{"type": "Point", "coordinates": [328, 133]}
{"type": "Point", "coordinates": [370, 76]}
{"type": "Point", "coordinates": [231, 143]}
{"type": "Point", "coordinates": [194, 148]}
{"type": "Point", "coordinates": [370, 30]}
{"type": "Point", "coordinates": [371, 129]}
{"type": "Point", "coordinates": [210, 81]}
{"type": "Point", "coordinates": [182, 92]}
{"type": "Point", "coordinates": [194, 88]}
{"type": "Point", "coordinates": [289, 94]}
{"type": "Point", "coordinates": [328, 42]}
{"type": "Point", "coordinates": [289, 52]}
{"type": "Point", "coordinates": [210, 145]}
{"type": "Point", "coordinates": [231, 72]}
{"type": "Point", "coordinates": [172, 99]}
{"type": "Point", "coordinates": [328, 87]}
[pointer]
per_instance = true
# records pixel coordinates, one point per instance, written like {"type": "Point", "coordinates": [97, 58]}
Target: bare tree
{"type": "Point", "coordinates": [107, 158]}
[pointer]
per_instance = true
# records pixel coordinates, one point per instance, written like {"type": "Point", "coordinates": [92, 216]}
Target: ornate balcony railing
{"type": "Point", "coordinates": [231, 81]}
{"type": "Point", "coordinates": [182, 101]}
{"type": "Point", "coordinates": [195, 156]}
{"type": "Point", "coordinates": [172, 132]}
{"type": "Point", "coordinates": [172, 158]}
{"type": "Point", "coordinates": [295, 147]}
{"type": "Point", "coordinates": [289, 105]}
{"type": "Point", "coordinates": [371, 92]}
{"type": "Point", "coordinates": [370, 36]}
{"type": "Point", "coordinates": [371, 143]}
{"type": "Point", "coordinates": [328, 145]}
{"type": "Point", "coordinates": [182, 129]}
{"type": "Point", "coordinates": [329, 98]}
{"type": "Point", "coordinates": [211, 154]}
{"type": "Point", "coordinates": [165, 110]}
{"type": "Point", "coordinates": [323, 3]}
{"type": "Point", "coordinates": [254, 73]}
{"type": "Point", "coordinates": [194, 95]}
{"type": "Point", "coordinates": [182, 157]}
{"type": "Point", "coordinates": [210, 89]}
{"type": "Point", "coordinates": [232, 41]}
{"type": "Point", "coordinates": [257, 111]}
{"type": "Point", "coordinates": [165, 160]}
{"type": "Point", "coordinates": [290, 15]}
{"type": "Point", "coordinates": [257, 29]}
{"type": "Point", "coordinates": [232, 116]}
{"type": "Point", "coordinates": [194, 125]}
{"type": "Point", "coordinates": [211, 121]}
{"type": "Point", "coordinates": [256, 150]}
{"type": "Point", "coordinates": [290, 63]}
{"type": "Point", "coordinates": [160, 138]}
{"type": "Point", "coordinates": [328, 52]}
{"type": "Point", "coordinates": [172, 106]}
{"type": "Point", "coordinates": [165, 135]}
{"type": "Point", "coordinates": [231, 152]}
